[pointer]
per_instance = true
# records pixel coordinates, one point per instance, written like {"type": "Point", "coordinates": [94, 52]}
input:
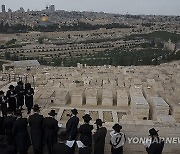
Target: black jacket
{"type": "Point", "coordinates": [61, 148]}
{"type": "Point", "coordinates": [1, 126]}
{"type": "Point", "coordinates": [156, 146]}
{"type": "Point", "coordinates": [36, 131]}
{"type": "Point", "coordinates": [3, 105]}
{"type": "Point", "coordinates": [21, 134]}
{"type": "Point", "coordinates": [71, 127]}
{"type": "Point", "coordinates": [6, 149]}
{"type": "Point", "coordinates": [8, 126]}
{"type": "Point", "coordinates": [86, 130]}
{"type": "Point", "coordinates": [50, 126]}
{"type": "Point", "coordinates": [99, 140]}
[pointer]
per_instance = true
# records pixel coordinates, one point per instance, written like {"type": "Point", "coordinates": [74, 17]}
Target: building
{"type": "Point", "coordinates": [3, 8]}
{"type": "Point", "coordinates": [52, 8]}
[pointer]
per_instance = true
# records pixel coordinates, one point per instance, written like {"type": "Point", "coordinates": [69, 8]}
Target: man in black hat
{"type": "Point", "coordinates": [11, 97]}
{"type": "Point", "coordinates": [21, 134]}
{"type": "Point", "coordinates": [157, 145]}
{"type": "Point", "coordinates": [29, 92]}
{"type": "Point", "coordinates": [72, 124]}
{"type": "Point", "coordinates": [99, 137]}
{"type": "Point", "coordinates": [4, 147]}
{"type": "Point", "coordinates": [50, 126]}
{"type": "Point", "coordinates": [8, 125]}
{"type": "Point", "coordinates": [72, 127]}
{"type": "Point", "coordinates": [3, 104]}
{"type": "Point", "coordinates": [117, 139]}
{"type": "Point", "coordinates": [36, 130]}
{"type": "Point", "coordinates": [86, 129]}
{"type": "Point", "coordinates": [20, 91]}
{"type": "Point", "coordinates": [61, 147]}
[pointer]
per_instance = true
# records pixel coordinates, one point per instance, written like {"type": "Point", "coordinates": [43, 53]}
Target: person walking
{"type": "Point", "coordinates": [117, 139]}
{"type": "Point", "coordinates": [21, 134]}
{"type": "Point", "coordinates": [11, 98]}
{"type": "Point", "coordinates": [29, 92]}
{"type": "Point", "coordinates": [20, 91]}
{"type": "Point", "coordinates": [36, 130]}
{"type": "Point", "coordinates": [8, 126]}
{"type": "Point", "coordinates": [50, 126]}
{"type": "Point", "coordinates": [156, 145]}
{"type": "Point", "coordinates": [99, 137]}
{"type": "Point", "coordinates": [3, 104]}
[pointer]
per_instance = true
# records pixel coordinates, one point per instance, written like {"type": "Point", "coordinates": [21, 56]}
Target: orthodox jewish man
{"type": "Point", "coordinates": [36, 130]}
{"type": "Point", "coordinates": [50, 130]}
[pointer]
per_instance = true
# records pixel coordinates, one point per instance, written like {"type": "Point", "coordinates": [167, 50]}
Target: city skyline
{"type": "Point", "coordinates": [153, 7]}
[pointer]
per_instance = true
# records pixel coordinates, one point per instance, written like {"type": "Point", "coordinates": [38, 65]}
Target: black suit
{"type": "Point", "coordinates": [6, 149]}
{"type": "Point", "coordinates": [71, 127]}
{"type": "Point", "coordinates": [8, 126]}
{"type": "Point", "coordinates": [21, 135]}
{"type": "Point", "coordinates": [1, 126]}
{"type": "Point", "coordinates": [36, 131]}
{"type": "Point", "coordinates": [50, 132]}
{"type": "Point", "coordinates": [20, 95]}
{"type": "Point", "coordinates": [99, 140]}
{"type": "Point", "coordinates": [29, 98]}
{"type": "Point", "coordinates": [86, 130]}
{"type": "Point", "coordinates": [3, 105]}
{"type": "Point", "coordinates": [60, 148]}
{"type": "Point", "coordinates": [11, 96]}
{"type": "Point", "coordinates": [156, 146]}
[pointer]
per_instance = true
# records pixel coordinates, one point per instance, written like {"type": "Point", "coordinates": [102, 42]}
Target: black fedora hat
{"type": "Point", "coordinates": [74, 111]}
{"type": "Point", "coordinates": [117, 127]}
{"type": "Point", "coordinates": [153, 131]}
{"type": "Point", "coordinates": [36, 107]}
{"type": "Point", "coordinates": [11, 87]}
{"type": "Point", "coordinates": [1, 92]}
{"type": "Point", "coordinates": [20, 83]}
{"type": "Point", "coordinates": [99, 122]}
{"type": "Point", "coordinates": [87, 117]}
{"type": "Point", "coordinates": [52, 113]}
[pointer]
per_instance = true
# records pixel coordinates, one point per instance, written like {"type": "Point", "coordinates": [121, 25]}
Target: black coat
{"type": "Point", "coordinates": [1, 126]}
{"type": "Point", "coordinates": [29, 97]}
{"type": "Point", "coordinates": [8, 126]}
{"type": "Point", "coordinates": [21, 134]}
{"type": "Point", "coordinates": [6, 149]}
{"type": "Point", "coordinates": [61, 148]}
{"type": "Point", "coordinates": [3, 105]}
{"type": "Point", "coordinates": [85, 150]}
{"type": "Point", "coordinates": [20, 91]}
{"type": "Point", "coordinates": [86, 130]}
{"type": "Point", "coordinates": [71, 127]}
{"type": "Point", "coordinates": [99, 140]}
{"type": "Point", "coordinates": [36, 131]}
{"type": "Point", "coordinates": [50, 126]}
{"type": "Point", "coordinates": [11, 97]}
{"type": "Point", "coordinates": [156, 146]}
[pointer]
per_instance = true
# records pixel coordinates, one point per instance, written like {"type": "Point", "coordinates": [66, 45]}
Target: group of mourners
{"type": "Point", "coordinates": [17, 133]}
{"type": "Point", "coordinates": [15, 98]}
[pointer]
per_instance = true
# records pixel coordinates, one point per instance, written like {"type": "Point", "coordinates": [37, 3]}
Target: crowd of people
{"type": "Point", "coordinates": [18, 133]}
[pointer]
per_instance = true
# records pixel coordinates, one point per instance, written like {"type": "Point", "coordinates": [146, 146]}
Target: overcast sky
{"type": "Point", "coordinates": [160, 7]}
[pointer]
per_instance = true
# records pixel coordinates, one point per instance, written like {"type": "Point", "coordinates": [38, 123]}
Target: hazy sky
{"type": "Point", "coordinates": [161, 7]}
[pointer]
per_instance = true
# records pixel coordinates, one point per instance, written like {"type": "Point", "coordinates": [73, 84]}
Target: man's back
{"type": "Point", "coordinates": [61, 148]}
